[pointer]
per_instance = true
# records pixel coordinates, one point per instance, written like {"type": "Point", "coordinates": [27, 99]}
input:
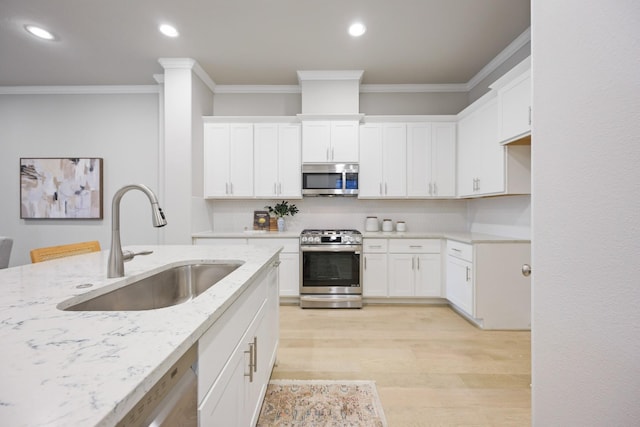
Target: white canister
{"type": "Point", "coordinates": [401, 226]}
{"type": "Point", "coordinates": [387, 225]}
{"type": "Point", "coordinates": [371, 224]}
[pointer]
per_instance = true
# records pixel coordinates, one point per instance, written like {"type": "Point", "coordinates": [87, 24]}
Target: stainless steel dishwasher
{"type": "Point", "coordinates": [172, 401]}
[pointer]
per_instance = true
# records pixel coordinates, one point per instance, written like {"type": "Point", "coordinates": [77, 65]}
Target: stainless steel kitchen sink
{"type": "Point", "coordinates": [167, 288]}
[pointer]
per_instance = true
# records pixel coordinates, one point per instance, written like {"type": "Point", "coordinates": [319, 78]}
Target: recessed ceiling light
{"type": "Point", "coordinates": [41, 33]}
{"type": "Point", "coordinates": [168, 30]}
{"type": "Point", "coordinates": [357, 29]}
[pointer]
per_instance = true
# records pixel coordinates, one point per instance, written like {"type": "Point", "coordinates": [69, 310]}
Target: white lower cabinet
{"type": "Point", "coordinates": [289, 271]}
{"type": "Point", "coordinates": [374, 281]}
{"type": "Point", "coordinates": [402, 268]}
{"type": "Point", "coordinates": [485, 283]}
{"type": "Point", "coordinates": [236, 356]}
{"type": "Point", "coordinates": [414, 268]}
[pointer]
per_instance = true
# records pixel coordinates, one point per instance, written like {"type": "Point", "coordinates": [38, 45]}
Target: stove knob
{"type": "Point", "coordinates": [358, 239]}
{"type": "Point", "coordinates": [316, 239]}
{"type": "Point", "coordinates": [303, 239]}
{"type": "Point", "coordinates": [347, 239]}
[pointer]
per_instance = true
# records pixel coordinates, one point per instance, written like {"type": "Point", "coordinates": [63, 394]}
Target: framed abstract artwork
{"type": "Point", "coordinates": [61, 188]}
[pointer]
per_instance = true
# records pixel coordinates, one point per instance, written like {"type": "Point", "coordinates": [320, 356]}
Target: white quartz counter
{"type": "Point", "coordinates": [464, 237]}
{"type": "Point", "coordinates": [60, 368]}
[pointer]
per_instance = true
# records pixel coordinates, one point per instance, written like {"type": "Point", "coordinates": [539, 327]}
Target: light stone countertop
{"type": "Point", "coordinates": [464, 237]}
{"type": "Point", "coordinates": [66, 368]}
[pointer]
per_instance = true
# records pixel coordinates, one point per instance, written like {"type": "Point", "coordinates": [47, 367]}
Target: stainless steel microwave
{"type": "Point", "coordinates": [330, 179]}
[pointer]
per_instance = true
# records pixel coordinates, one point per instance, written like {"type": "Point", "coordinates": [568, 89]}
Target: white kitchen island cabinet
{"type": "Point", "coordinates": [485, 283]}
{"type": "Point", "coordinates": [228, 160]}
{"type": "Point", "coordinates": [277, 167]}
{"type": "Point", "coordinates": [236, 356]}
{"type": "Point", "coordinates": [330, 141]}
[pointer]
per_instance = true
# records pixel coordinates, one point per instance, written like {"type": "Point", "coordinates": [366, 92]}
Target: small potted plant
{"type": "Point", "coordinates": [280, 210]}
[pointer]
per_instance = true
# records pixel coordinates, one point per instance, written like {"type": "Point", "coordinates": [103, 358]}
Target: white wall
{"type": "Point", "coordinates": [504, 216]}
{"type": "Point", "coordinates": [586, 213]}
{"type": "Point", "coordinates": [120, 128]}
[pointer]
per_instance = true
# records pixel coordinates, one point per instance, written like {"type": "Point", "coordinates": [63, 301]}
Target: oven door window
{"type": "Point", "coordinates": [321, 181]}
{"type": "Point", "coordinates": [322, 269]}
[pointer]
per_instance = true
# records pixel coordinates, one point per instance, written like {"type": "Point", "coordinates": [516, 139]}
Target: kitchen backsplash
{"type": "Point", "coordinates": [347, 212]}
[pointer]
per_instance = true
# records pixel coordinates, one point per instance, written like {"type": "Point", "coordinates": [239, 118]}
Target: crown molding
{"type": "Point", "coordinates": [188, 64]}
{"type": "Point", "coordinates": [78, 90]}
{"type": "Point", "coordinates": [513, 47]}
{"type": "Point", "coordinates": [413, 88]}
{"type": "Point", "coordinates": [257, 89]}
{"type": "Point", "coordinates": [330, 75]}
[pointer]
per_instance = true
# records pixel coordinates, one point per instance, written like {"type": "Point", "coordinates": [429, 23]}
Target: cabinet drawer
{"type": "Point", "coordinates": [374, 245]}
{"type": "Point", "coordinates": [288, 245]}
{"type": "Point", "coordinates": [431, 246]}
{"type": "Point", "coordinates": [460, 250]}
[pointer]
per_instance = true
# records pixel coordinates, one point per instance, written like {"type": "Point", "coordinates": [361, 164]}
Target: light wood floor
{"type": "Point", "coordinates": [431, 367]}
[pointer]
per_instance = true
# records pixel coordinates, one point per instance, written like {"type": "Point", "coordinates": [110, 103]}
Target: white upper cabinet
{"type": "Point", "coordinates": [325, 141]}
{"type": "Point", "coordinates": [383, 159]}
{"type": "Point", "coordinates": [514, 103]}
{"type": "Point", "coordinates": [431, 160]}
{"type": "Point", "coordinates": [228, 160]}
{"type": "Point", "coordinates": [277, 165]}
{"type": "Point", "coordinates": [484, 166]}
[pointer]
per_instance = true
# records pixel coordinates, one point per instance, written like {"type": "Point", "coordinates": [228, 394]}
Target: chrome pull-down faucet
{"type": "Point", "coordinates": [116, 257]}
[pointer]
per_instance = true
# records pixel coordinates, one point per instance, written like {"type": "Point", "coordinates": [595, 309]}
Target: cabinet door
{"type": "Point", "coordinates": [370, 177]}
{"type": "Point", "coordinates": [241, 160]}
{"type": "Point", "coordinates": [289, 166]}
{"type": "Point", "coordinates": [401, 275]}
{"type": "Point", "coordinates": [266, 162]}
{"type": "Point", "coordinates": [224, 404]}
{"type": "Point", "coordinates": [427, 275]}
{"type": "Point", "coordinates": [481, 167]}
{"type": "Point", "coordinates": [514, 102]}
{"type": "Point", "coordinates": [374, 283]}
{"type": "Point", "coordinates": [316, 137]}
{"type": "Point", "coordinates": [289, 275]}
{"type": "Point", "coordinates": [443, 160]}
{"type": "Point", "coordinates": [394, 157]}
{"type": "Point", "coordinates": [468, 152]}
{"type": "Point", "coordinates": [419, 165]}
{"type": "Point", "coordinates": [344, 141]}
{"type": "Point", "coordinates": [216, 160]}
{"type": "Point", "coordinates": [459, 288]}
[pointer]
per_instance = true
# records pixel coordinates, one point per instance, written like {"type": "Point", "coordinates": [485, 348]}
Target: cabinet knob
{"type": "Point", "coordinates": [526, 270]}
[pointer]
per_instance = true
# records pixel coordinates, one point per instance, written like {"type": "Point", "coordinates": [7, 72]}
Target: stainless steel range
{"type": "Point", "coordinates": [330, 269]}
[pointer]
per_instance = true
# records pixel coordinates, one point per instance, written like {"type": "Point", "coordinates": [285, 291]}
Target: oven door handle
{"type": "Point", "coordinates": [332, 248]}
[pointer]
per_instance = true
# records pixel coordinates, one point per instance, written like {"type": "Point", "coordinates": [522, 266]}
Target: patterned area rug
{"type": "Point", "coordinates": [321, 404]}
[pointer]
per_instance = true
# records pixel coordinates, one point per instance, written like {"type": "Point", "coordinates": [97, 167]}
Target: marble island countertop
{"type": "Point", "coordinates": [89, 368]}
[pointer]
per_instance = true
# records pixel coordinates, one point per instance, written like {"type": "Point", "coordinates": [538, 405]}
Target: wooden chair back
{"type": "Point", "coordinates": [53, 252]}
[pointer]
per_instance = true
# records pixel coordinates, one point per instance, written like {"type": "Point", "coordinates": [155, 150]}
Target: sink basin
{"type": "Point", "coordinates": [167, 288]}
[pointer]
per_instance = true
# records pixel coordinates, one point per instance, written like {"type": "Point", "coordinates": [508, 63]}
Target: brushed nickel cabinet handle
{"type": "Point", "coordinates": [251, 364]}
{"type": "Point", "coordinates": [526, 270]}
{"type": "Point", "coordinates": [255, 354]}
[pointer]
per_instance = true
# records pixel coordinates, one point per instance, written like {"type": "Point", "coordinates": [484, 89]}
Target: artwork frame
{"type": "Point", "coordinates": [61, 188]}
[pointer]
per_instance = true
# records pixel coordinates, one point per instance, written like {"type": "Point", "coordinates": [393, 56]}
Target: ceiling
{"type": "Point", "coordinates": [256, 42]}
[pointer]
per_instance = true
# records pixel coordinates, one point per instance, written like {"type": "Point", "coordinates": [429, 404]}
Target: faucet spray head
{"type": "Point", "coordinates": [158, 217]}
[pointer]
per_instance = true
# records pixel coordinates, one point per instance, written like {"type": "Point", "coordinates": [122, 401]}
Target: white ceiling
{"type": "Point", "coordinates": [255, 42]}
